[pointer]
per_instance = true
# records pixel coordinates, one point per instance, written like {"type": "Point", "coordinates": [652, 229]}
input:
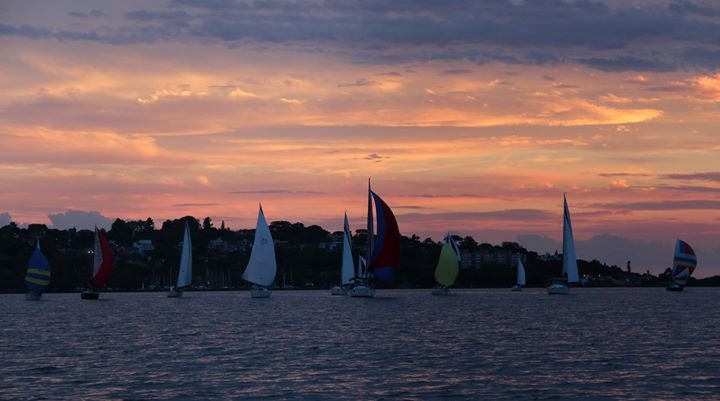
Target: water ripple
{"type": "Point", "coordinates": [598, 344]}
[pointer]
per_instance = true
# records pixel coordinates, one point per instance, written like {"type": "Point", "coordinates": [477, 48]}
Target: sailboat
{"type": "Point", "coordinates": [102, 266]}
{"type": "Point", "coordinates": [570, 270]}
{"type": "Point", "coordinates": [383, 249]}
{"type": "Point", "coordinates": [37, 276]}
{"type": "Point", "coordinates": [520, 276]}
{"type": "Point", "coordinates": [447, 267]}
{"type": "Point", "coordinates": [185, 273]}
{"type": "Point", "coordinates": [347, 271]}
{"type": "Point", "coordinates": [684, 262]}
{"type": "Point", "coordinates": [261, 268]}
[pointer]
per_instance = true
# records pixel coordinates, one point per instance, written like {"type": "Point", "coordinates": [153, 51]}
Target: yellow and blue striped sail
{"type": "Point", "coordinates": [37, 277]}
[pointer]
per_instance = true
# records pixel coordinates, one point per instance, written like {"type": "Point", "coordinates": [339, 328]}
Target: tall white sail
{"type": "Point", "coordinates": [569, 259]}
{"type": "Point", "coordinates": [348, 269]}
{"type": "Point", "coordinates": [520, 273]}
{"type": "Point", "coordinates": [185, 274]}
{"type": "Point", "coordinates": [262, 267]}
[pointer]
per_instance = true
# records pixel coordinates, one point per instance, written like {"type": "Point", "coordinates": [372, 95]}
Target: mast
{"type": "Point", "coordinates": [370, 229]}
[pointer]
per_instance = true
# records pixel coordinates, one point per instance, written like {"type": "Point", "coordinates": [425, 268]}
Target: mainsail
{"type": "Point", "coordinates": [103, 260]}
{"type": "Point", "coordinates": [569, 259]}
{"type": "Point", "coordinates": [348, 269]}
{"type": "Point", "coordinates": [185, 274]}
{"type": "Point", "coordinates": [520, 273]}
{"type": "Point", "coordinates": [37, 277]}
{"type": "Point", "coordinates": [684, 263]}
{"type": "Point", "coordinates": [386, 246]}
{"type": "Point", "coordinates": [262, 267]}
{"type": "Point", "coordinates": [447, 269]}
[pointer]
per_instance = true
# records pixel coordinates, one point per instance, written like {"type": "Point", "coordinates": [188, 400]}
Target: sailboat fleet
{"type": "Point", "coordinates": [380, 263]}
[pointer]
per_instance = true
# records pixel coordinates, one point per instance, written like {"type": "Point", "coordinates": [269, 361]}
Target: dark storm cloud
{"type": "Point", "coordinates": [652, 38]}
{"type": "Point", "coordinates": [456, 71]}
{"type": "Point", "coordinates": [660, 205]}
{"type": "Point", "coordinates": [509, 214]}
{"type": "Point", "coordinates": [276, 192]}
{"type": "Point", "coordinates": [627, 63]}
{"type": "Point", "coordinates": [183, 205]}
{"type": "Point", "coordinates": [707, 176]}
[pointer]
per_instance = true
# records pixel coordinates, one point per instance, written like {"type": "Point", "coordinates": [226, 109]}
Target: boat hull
{"type": "Point", "coordinates": [674, 287]}
{"type": "Point", "coordinates": [558, 289]}
{"type": "Point", "coordinates": [338, 290]}
{"type": "Point", "coordinates": [32, 296]}
{"type": "Point", "coordinates": [260, 292]}
{"type": "Point", "coordinates": [175, 293]}
{"type": "Point", "coordinates": [440, 291]}
{"type": "Point", "coordinates": [89, 294]}
{"type": "Point", "coordinates": [362, 291]}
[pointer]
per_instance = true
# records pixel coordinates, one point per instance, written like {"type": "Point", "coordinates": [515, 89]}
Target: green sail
{"type": "Point", "coordinates": [447, 268]}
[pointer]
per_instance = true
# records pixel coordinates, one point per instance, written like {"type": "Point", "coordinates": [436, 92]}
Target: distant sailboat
{"type": "Point", "coordinates": [261, 268]}
{"type": "Point", "coordinates": [102, 266]}
{"type": "Point", "coordinates": [684, 262]}
{"type": "Point", "coordinates": [185, 273]}
{"type": "Point", "coordinates": [570, 270]}
{"type": "Point", "coordinates": [520, 276]}
{"type": "Point", "coordinates": [347, 270]}
{"type": "Point", "coordinates": [447, 268]}
{"type": "Point", "coordinates": [383, 249]}
{"type": "Point", "coordinates": [37, 277]}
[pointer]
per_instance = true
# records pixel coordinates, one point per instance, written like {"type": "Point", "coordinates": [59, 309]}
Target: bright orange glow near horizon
{"type": "Point", "coordinates": [167, 109]}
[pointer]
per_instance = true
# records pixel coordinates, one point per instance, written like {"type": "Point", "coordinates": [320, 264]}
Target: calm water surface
{"type": "Point", "coordinates": [596, 344]}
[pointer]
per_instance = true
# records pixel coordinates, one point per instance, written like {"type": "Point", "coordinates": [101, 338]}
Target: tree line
{"type": "Point", "coordinates": [305, 257]}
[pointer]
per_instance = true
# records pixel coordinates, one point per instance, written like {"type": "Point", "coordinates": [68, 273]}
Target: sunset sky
{"type": "Point", "coordinates": [472, 117]}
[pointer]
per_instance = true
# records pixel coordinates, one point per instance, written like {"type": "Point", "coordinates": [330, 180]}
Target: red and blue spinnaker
{"type": "Point", "coordinates": [386, 247]}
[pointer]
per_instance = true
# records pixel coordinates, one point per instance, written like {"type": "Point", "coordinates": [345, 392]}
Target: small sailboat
{"type": "Point", "coordinates": [570, 270]}
{"type": "Point", "coordinates": [261, 268]}
{"type": "Point", "coordinates": [684, 262]}
{"type": "Point", "coordinates": [520, 276]}
{"type": "Point", "coordinates": [185, 273]}
{"type": "Point", "coordinates": [102, 266]}
{"type": "Point", "coordinates": [37, 276]}
{"type": "Point", "coordinates": [447, 268]}
{"type": "Point", "coordinates": [383, 249]}
{"type": "Point", "coordinates": [347, 270]}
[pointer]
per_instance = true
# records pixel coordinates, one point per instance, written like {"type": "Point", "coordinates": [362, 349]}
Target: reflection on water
{"type": "Point", "coordinates": [597, 344]}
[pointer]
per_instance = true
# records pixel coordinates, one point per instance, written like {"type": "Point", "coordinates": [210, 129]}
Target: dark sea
{"type": "Point", "coordinates": [482, 344]}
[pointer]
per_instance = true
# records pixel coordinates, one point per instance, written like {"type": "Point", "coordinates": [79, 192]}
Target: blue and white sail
{"type": "Point", "coordinates": [37, 277]}
{"type": "Point", "coordinates": [684, 262]}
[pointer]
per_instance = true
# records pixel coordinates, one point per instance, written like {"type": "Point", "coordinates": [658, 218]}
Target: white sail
{"type": "Point", "coordinates": [348, 269]}
{"type": "Point", "coordinates": [520, 273]}
{"type": "Point", "coordinates": [569, 259]}
{"type": "Point", "coordinates": [261, 268]}
{"type": "Point", "coordinates": [361, 269]}
{"type": "Point", "coordinates": [185, 274]}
